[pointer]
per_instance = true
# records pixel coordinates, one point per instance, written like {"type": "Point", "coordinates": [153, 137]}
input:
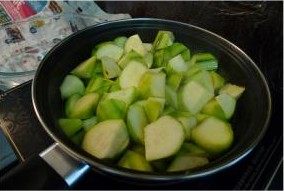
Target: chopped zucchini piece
{"type": "Point", "coordinates": [85, 69]}
{"type": "Point", "coordinates": [132, 74]}
{"type": "Point", "coordinates": [187, 162]}
{"type": "Point", "coordinates": [163, 39]}
{"type": "Point", "coordinates": [70, 102]}
{"type": "Point", "coordinates": [120, 41]}
{"type": "Point", "coordinates": [109, 50]}
{"type": "Point", "coordinates": [194, 96]}
{"type": "Point", "coordinates": [110, 68]}
{"type": "Point", "coordinates": [85, 107]}
{"type": "Point", "coordinates": [135, 161]}
{"type": "Point", "coordinates": [134, 43]}
{"type": "Point", "coordinates": [188, 122]}
{"type": "Point", "coordinates": [232, 90]}
{"type": "Point", "coordinates": [71, 85]}
{"type": "Point", "coordinates": [174, 80]}
{"type": "Point", "coordinates": [177, 64]}
{"type": "Point", "coordinates": [154, 108]}
{"type": "Point", "coordinates": [111, 109]}
{"type": "Point", "coordinates": [194, 150]}
{"type": "Point", "coordinates": [148, 46]}
{"type": "Point", "coordinates": [163, 138]}
{"type": "Point", "coordinates": [199, 57]}
{"type": "Point", "coordinates": [208, 65]}
{"type": "Point", "coordinates": [218, 80]}
{"type": "Point", "coordinates": [107, 139]}
{"type": "Point", "coordinates": [149, 59]}
{"type": "Point", "coordinates": [204, 78]}
{"type": "Point", "coordinates": [70, 126]}
{"type": "Point", "coordinates": [152, 84]}
{"type": "Point", "coordinates": [213, 135]}
{"type": "Point", "coordinates": [213, 108]}
{"type": "Point", "coordinates": [136, 121]}
{"type": "Point", "coordinates": [98, 85]}
{"type": "Point", "coordinates": [171, 97]}
{"type": "Point", "coordinates": [227, 103]}
{"type": "Point", "coordinates": [126, 58]}
{"type": "Point", "coordinates": [89, 123]}
{"type": "Point", "coordinates": [128, 95]}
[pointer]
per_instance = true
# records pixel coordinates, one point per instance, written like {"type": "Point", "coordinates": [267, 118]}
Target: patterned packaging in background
{"type": "Point", "coordinates": [29, 29]}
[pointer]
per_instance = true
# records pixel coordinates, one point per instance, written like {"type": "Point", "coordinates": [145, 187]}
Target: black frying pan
{"type": "Point", "coordinates": [249, 122]}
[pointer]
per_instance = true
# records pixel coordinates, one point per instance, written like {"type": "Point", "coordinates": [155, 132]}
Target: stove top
{"type": "Point", "coordinates": [256, 171]}
{"type": "Point", "coordinates": [255, 27]}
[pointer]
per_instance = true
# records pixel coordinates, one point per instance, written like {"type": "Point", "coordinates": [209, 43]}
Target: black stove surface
{"type": "Point", "coordinates": [256, 27]}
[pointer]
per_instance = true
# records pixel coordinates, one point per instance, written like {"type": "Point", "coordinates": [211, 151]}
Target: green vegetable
{"type": "Point", "coordinates": [174, 80]}
{"type": "Point", "coordinates": [71, 85]}
{"type": "Point", "coordinates": [152, 84]}
{"type": "Point", "coordinates": [194, 96]}
{"type": "Point", "coordinates": [177, 64]}
{"type": "Point", "coordinates": [70, 126]}
{"type": "Point", "coordinates": [213, 135]}
{"type": "Point", "coordinates": [109, 50]}
{"type": "Point", "coordinates": [134, 43]}
{"type": "Point", "coordinates": [218, 80]}
{"type": "Point", "coordinates": [111, 109]}
{"type": "Point", "coordinates": [194, 150]}
{"type": "Point", "coordinates": [135, 161]}
{"type": "Point", "coordinates": [163, 39]}
{"type": "Point", "coordinates": [84, 107]}
{"type": "Point", "coordinates": [99, 85]}
{"type": "Point", "coordinates": [232, 90]}
{"type": "Point", "coordinates": [120, 41]}
{"type": "Point", "coordinates": [107, 139]}
{"type": "Point", "coordinates": [171, 107]}
{"type": "Point", "coordinates": [187, 162]}
{"type": "Point", "coordinates": [110, 68]}
{"type": "Point", "coordinates": [154, 108]}
{"type": "Point", "coordinates": [136, 121]}
{"type": "Point", "coordinates": [89, 123]}
{"type": "Point", "coordinates": [163, 138]}
{"type": "Point", "coordinates": [85, 69]}
{"type": "Point", "coordinates": [132, 74]}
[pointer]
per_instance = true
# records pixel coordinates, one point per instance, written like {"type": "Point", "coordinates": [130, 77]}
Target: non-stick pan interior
{"type": "Point", "coordinates": [253, 108]}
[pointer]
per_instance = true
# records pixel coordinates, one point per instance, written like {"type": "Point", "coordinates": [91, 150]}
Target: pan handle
{"type": "Point", "coordinates": [51, 169]}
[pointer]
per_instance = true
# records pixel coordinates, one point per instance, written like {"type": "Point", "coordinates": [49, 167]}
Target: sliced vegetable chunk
{"type": "Point", "coordinates": [132, 74]}
{"type": "Point", "coordinates": [213, 135]}
{"type": "Point", "coordinates": [134, 43]}
{"type": "Point", "coordinates": [85, 69]}
{"type": "Point", "coordinates": [227, 103]}
{"type": "Point", "coordinates": [187, 162]}
{"type": "Point", "coordinates": [107, 139]}
{"type": "Point", "coordinates": [163, 138]}
{"type": "Point", "coordinates": [136, 121]}
{"type": "Point", "coordinates": [154, 108]}
{"type": "Point", "coordinates": [163, 39]}
{"type": "Point", "coordinates": [109, 50]}
{"type": "Point", "coordinates": [89, 123]}
{"type": "Point", "coordinates": [135, 161]}
{"type": "Point", "coordinates": [111, 109]}
{"type": "Point", "coordinates": [194, 96]}
{"type": "Point", "coordinates": [128, 95]}
{"type": "Point", "coordinates": [152, 84]}
{"type": "Point", "coordinates": [85, 106]}
{"type": "Point", "coordinates": [218, 80]}
{"type": "Point", "coordinates": [70, 126]}
{"type": "Point", "coordinates": [110, 68]}
{"type": "Point", "coordinates": [232, 90]}
{"type": "Point", "coordinates": [71, 85]}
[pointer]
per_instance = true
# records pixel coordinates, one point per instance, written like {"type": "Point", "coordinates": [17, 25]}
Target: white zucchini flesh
{"type": "Point", "coordinates": [107, 139]}
{"type": "Point", "coordinates": [163, 138]}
